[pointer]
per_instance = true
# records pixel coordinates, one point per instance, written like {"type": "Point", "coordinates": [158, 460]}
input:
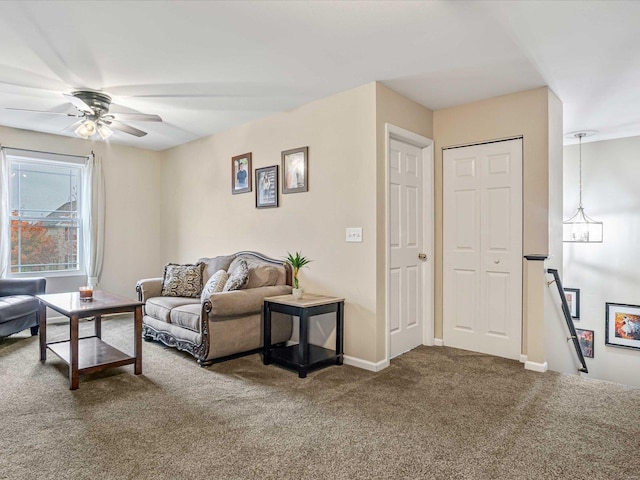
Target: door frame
{"type": "Point", "coordinates": [428, 198]}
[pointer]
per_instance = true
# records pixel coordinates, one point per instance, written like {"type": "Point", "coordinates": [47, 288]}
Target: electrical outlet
{"type": "Point", "coordinates": [354, 234]}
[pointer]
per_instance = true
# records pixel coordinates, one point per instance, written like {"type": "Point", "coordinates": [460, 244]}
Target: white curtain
{"type": "Point", "coordinates": [5, 235]}
{"type": "Point", "coordinates": [93, 209]}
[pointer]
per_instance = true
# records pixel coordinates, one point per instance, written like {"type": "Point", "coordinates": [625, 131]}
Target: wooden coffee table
{"type": "Point", "coordinates": [89, 354]}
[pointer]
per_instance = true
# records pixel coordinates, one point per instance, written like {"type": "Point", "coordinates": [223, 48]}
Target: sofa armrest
{"type": "Point", "coordinates": [148, 288]}
{"type": "Point", "coordinates": [22, 286]}
{"type": "Point", "coordinates": [241, 302]}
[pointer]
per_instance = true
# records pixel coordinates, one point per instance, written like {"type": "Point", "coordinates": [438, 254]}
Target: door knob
{"type": "Point", "coordinates": [496, 260]}
{"type": "Point", "coordinates": [422, 256]}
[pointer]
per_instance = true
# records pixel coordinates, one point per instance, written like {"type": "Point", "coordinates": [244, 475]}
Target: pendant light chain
{"type": "Point", "coordinates": [580, 135]}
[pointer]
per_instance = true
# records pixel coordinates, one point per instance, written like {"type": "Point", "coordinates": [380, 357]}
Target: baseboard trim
{"type": "Point", "coordinates": [438, 342]}
{"type": "Point", "coordinates": [365, 364]}
{"type": "Point", "coordinates": [536, 367]}
{"type": "Point", "coordinates": [523, 359]}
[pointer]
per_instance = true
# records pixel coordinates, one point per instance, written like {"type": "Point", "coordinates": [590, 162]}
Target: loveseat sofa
{"type": "Point", "coordinates": [18, 304]}
{"type": "Point", "coordinates": [215, 326]}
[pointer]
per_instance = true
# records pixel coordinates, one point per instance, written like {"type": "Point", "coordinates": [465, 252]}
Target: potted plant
{"type": "Point", "coordinates": [296, 261]}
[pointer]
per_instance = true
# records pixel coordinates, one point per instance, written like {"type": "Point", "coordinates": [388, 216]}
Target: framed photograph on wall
{"type": "Point", "coordinates": [241, 173]}
{"type": "Point", "coordinates": [585, 339]}
{"type": "Point", "coordinates": [295, 175]}
{"type": "Point", "coordinates": [573, 300]}
{"type": "Point", "coordinates": [267, 187]}
{"type": "Point", "coordinates": [622, 325]}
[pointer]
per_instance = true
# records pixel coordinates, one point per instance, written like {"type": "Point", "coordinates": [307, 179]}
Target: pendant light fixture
{"type": "Point", "coordinates": [580, 228]}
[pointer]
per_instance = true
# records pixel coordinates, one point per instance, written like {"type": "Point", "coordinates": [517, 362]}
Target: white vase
{"type": "Point", "coordinates": [297, 293]}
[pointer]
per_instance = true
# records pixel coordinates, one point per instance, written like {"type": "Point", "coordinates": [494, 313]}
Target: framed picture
{"type": "Point", "coordinates": [573, 300]}
{"type": "Point", "coordinates": [267, 187]}
{"type": "Point", "coordinates": [295, 177]}
{"type": "Point", "coordinates": [241, 173]}
{"type": "Point", "coordinates": [585, 338]}
{"type": "Point", "coordinates": [622, 327]}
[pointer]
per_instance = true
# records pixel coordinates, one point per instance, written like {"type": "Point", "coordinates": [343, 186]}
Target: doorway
{"type": "Point", "coordinates": [409, 265]}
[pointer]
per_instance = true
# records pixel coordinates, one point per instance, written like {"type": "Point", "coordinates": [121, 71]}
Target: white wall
{"type": "Point", "coordinates": [133, 179]}
{"type": "Point", "coordinates": [610, 271]}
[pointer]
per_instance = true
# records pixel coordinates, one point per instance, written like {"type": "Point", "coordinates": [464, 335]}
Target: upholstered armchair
{"type": "Point", "coordinates": [18, 304]}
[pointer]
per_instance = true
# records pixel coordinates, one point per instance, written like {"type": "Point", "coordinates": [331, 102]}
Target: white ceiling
{"type": "Point", "coordinates": [205, 67]}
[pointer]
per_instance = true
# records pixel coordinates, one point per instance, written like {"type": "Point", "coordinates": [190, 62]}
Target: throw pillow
{"type": "Point", "coordinates": [182, 280]}
{"type": "Point", "coordinates": [238, 277]}
{"type": "Point", "coordinates": [214, 285]}
{"type": "Point", "coordinates": [262, 275]}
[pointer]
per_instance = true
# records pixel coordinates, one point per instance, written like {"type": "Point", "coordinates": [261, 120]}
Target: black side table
{"type": "Point", "coordinates": [303, 357]}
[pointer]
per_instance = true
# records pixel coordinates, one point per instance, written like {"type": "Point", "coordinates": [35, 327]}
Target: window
{"type": "Point", "coordinates": [45, 215]}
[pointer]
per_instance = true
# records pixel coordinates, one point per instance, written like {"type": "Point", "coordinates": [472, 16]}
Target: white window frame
{"type": "Point", "coordinates": [43, 158]}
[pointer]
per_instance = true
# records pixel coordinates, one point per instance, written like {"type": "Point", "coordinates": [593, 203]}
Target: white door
{"type": "Point", "coordinates": [482, 248]}
{"type": "Point", "coordinates": [406, 241]}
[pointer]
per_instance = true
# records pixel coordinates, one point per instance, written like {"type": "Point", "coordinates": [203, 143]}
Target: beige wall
{"type": "Point", "coordinates": [177, 205]}
{"type": "Point", "coordinates": [132, 177]}
{"type": "Point", "coordinates": [397, 110]}
{"type": "Point", "coordinates": [520, 114]}
{"type": "Point", "coordinates": [345, 136]}
{"type": "Point", "coordinates": [202, 218]}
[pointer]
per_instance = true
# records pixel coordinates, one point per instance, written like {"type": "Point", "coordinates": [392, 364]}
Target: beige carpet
{"type": "Point", "coordinates": [435, 413]}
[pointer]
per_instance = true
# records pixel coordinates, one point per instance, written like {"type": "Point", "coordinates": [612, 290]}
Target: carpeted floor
{"type": "Point", "coordinates": [435, 413]}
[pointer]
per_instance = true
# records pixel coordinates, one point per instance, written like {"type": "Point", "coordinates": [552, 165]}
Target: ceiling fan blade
{"type": "Point", "coordinates": [42, 111]}
{"type": "Point", "coordinates": [49, 45]}
{"type": "Point", "coordinates": [123, 127]}
{"type": "Point", "coordinates": [136, 117]}
{"type": "Point", "coordinates": [79, 104]}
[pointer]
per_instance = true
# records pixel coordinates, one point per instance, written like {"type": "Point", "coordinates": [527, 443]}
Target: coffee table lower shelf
{"type": "Point", "coordinates": [290, 357]}
{"type": "Point", "coordinates": [94, 355]}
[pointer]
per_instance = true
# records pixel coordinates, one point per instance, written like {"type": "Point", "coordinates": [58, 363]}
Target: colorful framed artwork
{"type": "Point", "coordinates": [585, 339]}
{"type": "Point", "coordinates": [241, 173]}
{"type": "Point", "coordinates": [573, 300]}
{"type": "Point", "coordinates": [622, 325]}
{"type": "Point", "coordinates": [295, 175]}
{"type": "Point", "coordinates": [267, 187]}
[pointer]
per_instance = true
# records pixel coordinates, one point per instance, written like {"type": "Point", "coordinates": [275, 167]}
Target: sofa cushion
{"type": "Point", "coordinates": [213, 264]}
{"type": "Point", "coordinates": [16, 306]}
{"type": "Point", "coordinates": [243, 302]}
{"type": "Point", "coordinates": [238, 277]}
{"type": "Point", "coordinates": [187, 316]}
{"type": "Point", "coordinates": [262, 275]}
{"type": "Point", "coordinates": [182, 280]}
{"type": "Point", "coordinates": [214, 285]}
{"type": "Point", "coordinates": [160, 307]}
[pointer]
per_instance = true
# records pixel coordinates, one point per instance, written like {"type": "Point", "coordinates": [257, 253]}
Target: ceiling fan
{"type": "Point", "coordinates": [93, 112]}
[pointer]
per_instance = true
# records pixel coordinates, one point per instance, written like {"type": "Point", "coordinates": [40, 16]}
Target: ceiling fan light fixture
{"type": "Point", "coordinates": [104, 131]}
{"type": "Point", "coordinates": [86, 129]}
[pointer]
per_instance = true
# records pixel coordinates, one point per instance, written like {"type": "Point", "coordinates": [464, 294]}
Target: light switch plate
{"type": "Point", "coordinates": [354, 234]}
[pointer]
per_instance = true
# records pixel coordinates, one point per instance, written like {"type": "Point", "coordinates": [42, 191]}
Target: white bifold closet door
{"type": "Point", "coordinates": [482, 248]}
